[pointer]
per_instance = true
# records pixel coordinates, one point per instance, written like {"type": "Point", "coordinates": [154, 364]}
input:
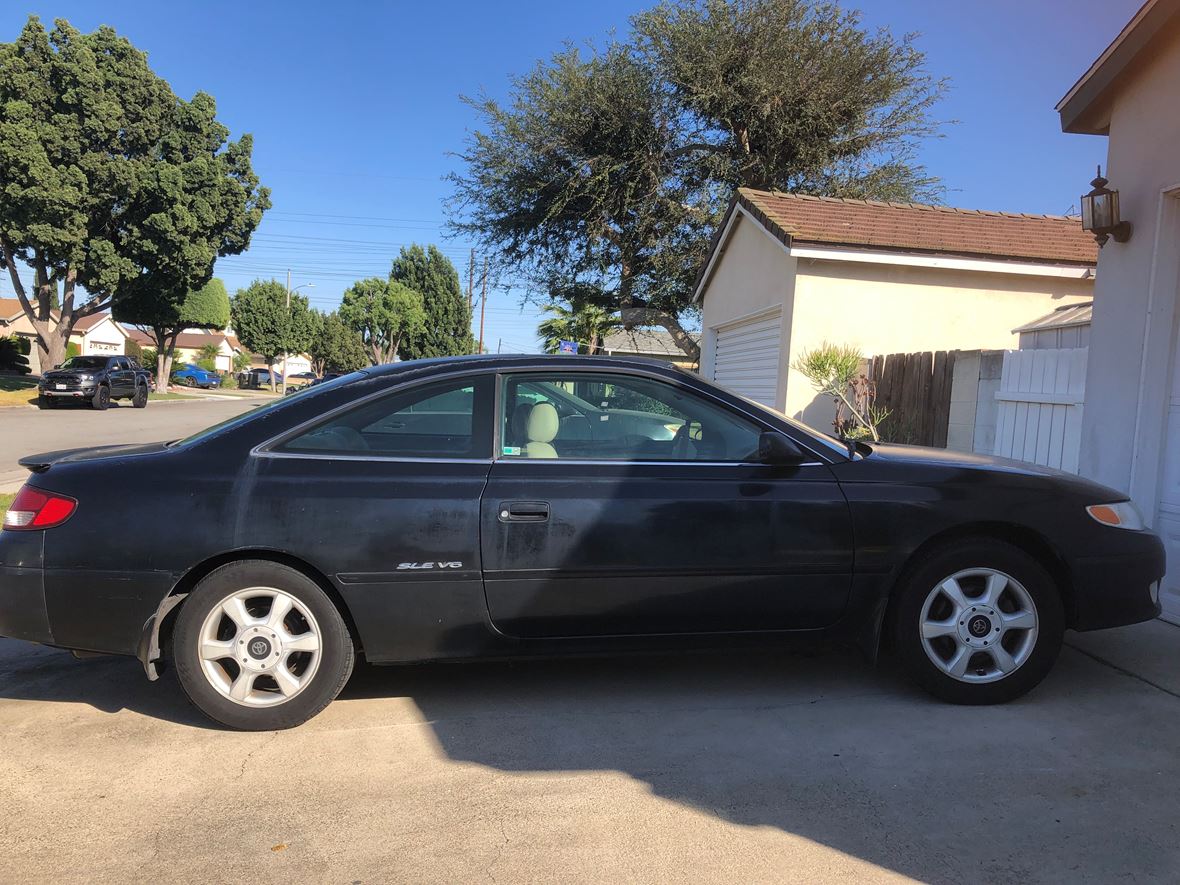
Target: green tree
{"type": "Point", "coordinates": [610, 168]}
{"type": "Point", "coordinates": [207, 356]}
{"type": "Point", "coordinates": [587, 324]}
{"type": "Point", "coordinates": [385, 314]}
{"type": "Point", "coordinates": [446, 330]}
{"type": "Point", "coordinates": [264, 323]}
{"type": "Point", "coordinates": [336, 347]}
{"type": "Point", "coordinates": [203, 308]}
{"type": "Point", "coordinates": [113, 187]}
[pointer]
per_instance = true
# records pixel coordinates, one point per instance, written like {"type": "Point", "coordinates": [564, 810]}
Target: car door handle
{"type": "Point", "coordinates": [524, 511]}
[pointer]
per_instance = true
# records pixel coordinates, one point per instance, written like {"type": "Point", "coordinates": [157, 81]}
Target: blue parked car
{"type": "Point", "coordinates": [194, 376]}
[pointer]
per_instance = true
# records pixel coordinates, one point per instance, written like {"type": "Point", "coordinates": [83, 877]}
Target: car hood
{"type": "Point", "coordinates": [41, 463]}
{"type": "Point", "coordinates": [891, 462]}
{"type": "Point", "coordinates": [69, 373]}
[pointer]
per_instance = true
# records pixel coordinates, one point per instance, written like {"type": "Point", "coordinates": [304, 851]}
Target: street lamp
{"type": "Point", "coordinates": [290, 291]}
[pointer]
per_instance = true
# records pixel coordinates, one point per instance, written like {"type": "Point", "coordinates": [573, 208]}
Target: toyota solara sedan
{"type": "Point", "coordinates": [500, 506]}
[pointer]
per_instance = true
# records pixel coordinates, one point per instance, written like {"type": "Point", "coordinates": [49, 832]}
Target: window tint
{"type": "Point", "coordinates": [618, 418]}
{"type": "Point", "coordinates": [444, 420]}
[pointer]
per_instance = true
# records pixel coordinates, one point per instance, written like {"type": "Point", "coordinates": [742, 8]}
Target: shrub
{"type": "Point", "coordinates": [14, 355]}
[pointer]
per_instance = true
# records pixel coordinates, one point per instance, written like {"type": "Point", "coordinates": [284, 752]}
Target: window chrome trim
{"type": "Point", "coordinates": [516, 459]}
{"type": "Point", "coordinates": [328, 456]}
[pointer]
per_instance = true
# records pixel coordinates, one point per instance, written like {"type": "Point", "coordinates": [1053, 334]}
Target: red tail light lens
{"type": "Point", "coordinates": [33, 509]}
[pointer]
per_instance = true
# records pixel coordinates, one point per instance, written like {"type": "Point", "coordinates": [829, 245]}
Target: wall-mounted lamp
{"type": "Point", "coordinates": [1100, 213]}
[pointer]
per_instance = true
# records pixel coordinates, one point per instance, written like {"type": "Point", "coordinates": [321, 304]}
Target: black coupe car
{"type": "Point", "coordinates": [514, 506]}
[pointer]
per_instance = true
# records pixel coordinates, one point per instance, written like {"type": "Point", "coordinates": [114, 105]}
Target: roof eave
{"type": "Point", "coordinates": [1085, 108]}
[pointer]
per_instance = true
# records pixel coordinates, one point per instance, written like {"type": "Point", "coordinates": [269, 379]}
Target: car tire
{"type": "Point", "coordinates": [102, 398]}
{"type": "Point", "coordinates": [140, 400]}
{"type": "Point", "coordinates": [225, 653]}
{"type": "Point", "coordinates": [977, 621]}
{"type": "Point", "coordinates": [45, 402]}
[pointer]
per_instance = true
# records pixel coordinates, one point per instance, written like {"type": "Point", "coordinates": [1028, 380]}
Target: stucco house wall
{"type": "Point", "coordinates": [756, 275]}
{"type": "Point", "coordinates": [885, 309]}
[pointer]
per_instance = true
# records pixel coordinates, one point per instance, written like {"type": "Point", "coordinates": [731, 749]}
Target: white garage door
{"type": "Point", "coordinates": [1168, 520]}
{"type": "Point", "coordinates": [747, 358]}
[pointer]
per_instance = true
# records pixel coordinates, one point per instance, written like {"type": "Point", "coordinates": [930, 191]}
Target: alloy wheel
{"type": "Point", "coordinates": [259, 647]}
{"type": "Point", "coordinates": [979, 625]}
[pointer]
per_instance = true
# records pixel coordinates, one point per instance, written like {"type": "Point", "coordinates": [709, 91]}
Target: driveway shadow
{"type": "Point", "coordinates": [1070, 783]}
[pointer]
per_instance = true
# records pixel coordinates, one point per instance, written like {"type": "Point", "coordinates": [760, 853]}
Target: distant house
{"type": "Point", "coordinates": [653, 343]}
{"type": "Point", "coordinates": [13, 321]}
{"type": "Point", "coordinates": [99, 334]}
{"type": "Point", "coordinates": [786, 273]}
{"type": "Point", "coordinates": [190, 342]}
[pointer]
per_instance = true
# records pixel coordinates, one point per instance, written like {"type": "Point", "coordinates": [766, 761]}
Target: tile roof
{"type": "Point", "coordinates": [89, 322]}
{"type": "Point", "coordinates": [913, 227]}
{"type": "Point", "coordinates": [187, 340]}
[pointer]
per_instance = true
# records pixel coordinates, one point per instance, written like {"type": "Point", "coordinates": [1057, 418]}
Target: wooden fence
{"type": "Point", "coordinates": [916, 389]}
{"type": "Point", "coordinates": [1041, 398]}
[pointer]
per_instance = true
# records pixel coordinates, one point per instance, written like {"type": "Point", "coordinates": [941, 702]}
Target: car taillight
{"type": "Point", "coordinates": [33, 509]}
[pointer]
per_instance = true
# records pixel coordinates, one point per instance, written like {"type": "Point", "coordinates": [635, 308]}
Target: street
{"type": "Point", "coordinates": [743, 767]}
{"type": "Point", "coordinates": [25, 431]}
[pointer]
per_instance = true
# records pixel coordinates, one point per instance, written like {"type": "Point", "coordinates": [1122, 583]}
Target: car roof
{"type": "Point", "coordinates": [523, 360]}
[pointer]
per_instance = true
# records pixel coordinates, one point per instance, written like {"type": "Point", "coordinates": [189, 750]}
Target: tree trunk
{"type": "Point", "coordinates": [646, 316]}
{"type": "Point", "coordinates": [270, 369]}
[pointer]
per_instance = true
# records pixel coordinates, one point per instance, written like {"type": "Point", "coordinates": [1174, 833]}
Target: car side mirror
{"type": "Point", "coordinates": [57, 365]}
{"type": "Point", "coordinates": [778, 448]}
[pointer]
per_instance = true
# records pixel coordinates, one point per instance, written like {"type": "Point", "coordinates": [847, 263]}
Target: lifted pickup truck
{"type": "Point", "coordinates": [97, 380]}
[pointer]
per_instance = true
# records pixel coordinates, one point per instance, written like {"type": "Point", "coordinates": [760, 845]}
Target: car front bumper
{"type": "Point", "coordinates": [1119, 588]}
{"type": "Point", "coordinates": [76, 393]}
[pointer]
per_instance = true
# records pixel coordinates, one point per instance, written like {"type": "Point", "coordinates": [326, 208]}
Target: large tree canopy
{"type": "Point", "coordinates": [335, 346]}
{"type": "Point", "coordinates": [385, 314]}
{"type": "Point", "coordinates": [265, 323]}
{"type": "Point", "coordinates": [203, 308]}
{"type": "Point", "coordinates": [112, 186]}
{"type": "Point", "coordinates": [609, 169]}
{"type": "Point", "coordinates": [446, 327]}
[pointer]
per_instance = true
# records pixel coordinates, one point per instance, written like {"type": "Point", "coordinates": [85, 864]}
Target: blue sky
{"type": "Point", "coordinates": [354, 107]}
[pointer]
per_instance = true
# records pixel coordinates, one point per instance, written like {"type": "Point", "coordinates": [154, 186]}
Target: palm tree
{"type": "Point", "coordinates": [586, 324]}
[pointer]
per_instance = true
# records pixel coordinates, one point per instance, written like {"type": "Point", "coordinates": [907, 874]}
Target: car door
{"type": "Point", "coordinates": [118, 372]}
{"type": "Point", "coordinates": [389, 488]}
{"type": "Point", "coordinates": [644, 514]}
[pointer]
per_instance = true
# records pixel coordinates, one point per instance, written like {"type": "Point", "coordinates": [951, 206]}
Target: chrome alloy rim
{"type": "Point", "coordinates": [259, 647]}
{"type": "Point", "coordinates": [979, 625]}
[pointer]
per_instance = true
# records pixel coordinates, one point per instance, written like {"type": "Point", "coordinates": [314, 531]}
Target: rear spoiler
{"type": "Point", "coordinates": [41, 463]}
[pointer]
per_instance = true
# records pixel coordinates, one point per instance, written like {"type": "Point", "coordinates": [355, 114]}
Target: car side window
{"type": "Point", "coordinates": [617, 417]}
{"type": "Point", "coordinates": [448, 419]}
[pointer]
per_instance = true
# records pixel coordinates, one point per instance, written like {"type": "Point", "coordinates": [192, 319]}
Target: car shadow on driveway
{"type": "Point", "coordinates": [1071, 783]}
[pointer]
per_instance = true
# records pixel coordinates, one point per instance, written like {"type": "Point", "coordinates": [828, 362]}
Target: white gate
{"type": "Point", "coordinates": [1040, 402]}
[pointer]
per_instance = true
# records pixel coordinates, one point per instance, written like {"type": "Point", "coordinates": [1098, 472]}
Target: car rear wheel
{"type": "Point", "coordinates": [259, 646]}
{"type": "Point", "coordinates": [140, 400]}
{"type": "Point", "coordinates": [978, 622]}
{"type": "Point", "coordinates": [102, 398]}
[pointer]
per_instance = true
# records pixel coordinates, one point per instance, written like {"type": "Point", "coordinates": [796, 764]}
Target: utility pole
{"type": "Point", "coordinates": [470, 278]}
{"type": "Point", "coordinates": [483, 302]}
{"type": "Point", "coordinates": [499, 344]}
{"type": "Point", "coordinates": [284, 343]}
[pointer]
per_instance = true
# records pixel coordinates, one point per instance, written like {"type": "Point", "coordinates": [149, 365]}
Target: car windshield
{"type": "Point", "coordinates": [237, 420]}
{"type": "Point", "coordinates": [85, 362]}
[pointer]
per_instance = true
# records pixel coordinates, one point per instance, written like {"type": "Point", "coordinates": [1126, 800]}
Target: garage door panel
{"type": "Point", "coordinates": [1168, 517]}
{"type": "Point", "coordinates": [746, 358]}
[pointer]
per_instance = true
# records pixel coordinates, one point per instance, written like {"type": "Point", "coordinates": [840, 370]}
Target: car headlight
{"type": "Point", "coordinates": [85, 377]}
{"type": "Point", "coordinates": [1121, 515]}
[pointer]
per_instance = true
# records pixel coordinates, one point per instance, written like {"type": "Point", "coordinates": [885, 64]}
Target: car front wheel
{"type": "Point", "coordinates": [259, 646]}
{"type": "Point", "coordinates": [102, 398]}
{"type": "Point", "coordinates": [978, 622]}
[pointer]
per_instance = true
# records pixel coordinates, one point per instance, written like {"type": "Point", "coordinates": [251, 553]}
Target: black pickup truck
{"type": "Point", "coordinates": [97, 380]}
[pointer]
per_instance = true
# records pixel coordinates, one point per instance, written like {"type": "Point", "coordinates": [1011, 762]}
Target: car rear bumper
{"type": "Point", "coordinates": [23, 612]}
{"type": "Point", "coordinates": [1119, 589]}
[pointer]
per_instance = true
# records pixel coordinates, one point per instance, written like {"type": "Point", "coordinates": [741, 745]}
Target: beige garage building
{"type": "Point", "coordinates": [787, 272]}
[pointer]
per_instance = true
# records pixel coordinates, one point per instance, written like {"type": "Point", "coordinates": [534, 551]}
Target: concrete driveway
{"type": "Point", "coordinates": [741, 767]}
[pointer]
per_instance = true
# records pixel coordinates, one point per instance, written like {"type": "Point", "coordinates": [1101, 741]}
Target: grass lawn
{"type": "Point", "coordinates": [221, 391]}
{"type": "Point", "coordinates": [155, 396]}
{"type": "Point", "coordinates": [6, 499]}
{"type": "Point", "coordinates": [17, 390]}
